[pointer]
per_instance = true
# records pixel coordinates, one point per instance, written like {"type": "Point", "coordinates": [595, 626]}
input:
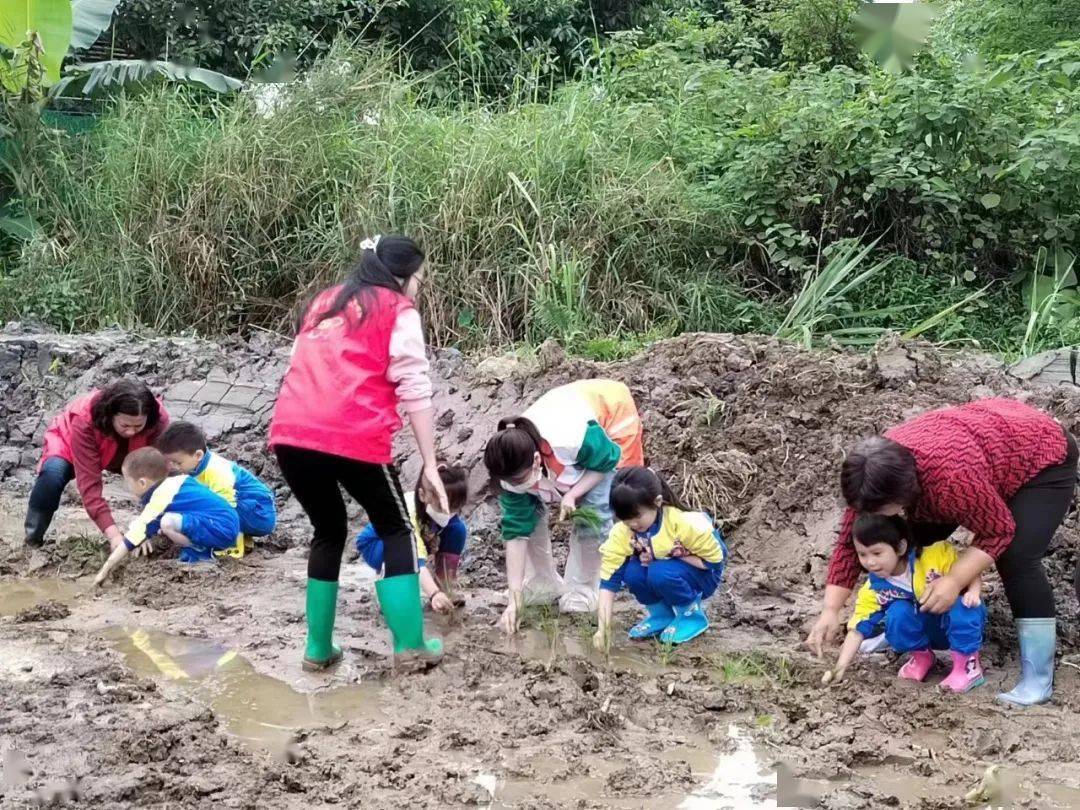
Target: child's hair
{"type": "Point", "coordinates": [871, 529]}
{"type": "Point", "coordinates": [456, 483]}
{"type": "Point", "coordinates": [148, 463]}
{"type": "Point", "coordinates": [511, 449]}
{"type": "Point", "coordinates": [637, 488]}
{"type": "Point", "coordinates": [124, 396]}
{"type": "Point", "coordinates": [182, 437]}
{"type": "Point", "coordinates": [389, 262]}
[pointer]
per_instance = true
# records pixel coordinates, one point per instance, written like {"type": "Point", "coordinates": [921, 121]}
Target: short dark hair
{"type": "Point", "coordinates": [146, 462]}
{"type": "Point", "coordinates": [181, 437]}
{"type": "Point", "coordinates": [879, 472]}
{"type": "Point", "coordinates": [893, 530]}
{"type": "Point", "coordinates": [127, 396]}
{"type": "Point", "coordinates": [636, 488]}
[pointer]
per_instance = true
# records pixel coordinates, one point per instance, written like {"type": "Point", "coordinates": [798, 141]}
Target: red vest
{"type": "Point", "coordinates": [58, 434]}
{"type": "Point", "coordinates": [335, 397]}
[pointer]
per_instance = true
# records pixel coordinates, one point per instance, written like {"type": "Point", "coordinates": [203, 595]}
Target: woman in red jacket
{"type": "Point", "coordinates": [359, 353]}
{"type": "Point", "coordinates": [1001, 469]}
{"type": "Point", "coordinates": [92, 434]}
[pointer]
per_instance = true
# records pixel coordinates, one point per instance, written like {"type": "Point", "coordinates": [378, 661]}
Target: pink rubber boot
{"type": "Point", "coordinates": [967, 673]}
{"type": "Point", "coordinates": [917, 666]}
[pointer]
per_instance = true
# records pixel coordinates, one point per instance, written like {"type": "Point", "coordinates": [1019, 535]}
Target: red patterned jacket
{"type": "Point", "coordinates": [971, 460]}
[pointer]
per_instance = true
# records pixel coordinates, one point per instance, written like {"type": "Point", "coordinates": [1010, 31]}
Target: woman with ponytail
{"type": "Point", "coordinates": [563, 450]}
{"type": "Point", "coordinates": [359, 354]}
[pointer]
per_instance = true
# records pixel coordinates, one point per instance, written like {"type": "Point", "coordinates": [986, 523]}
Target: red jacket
{"type": "Point", "coordinates": [336, 397]}
{"type": "Point", "coordinates": [970, 460]}
{"type": "Point", "coordinates": [73, 437]}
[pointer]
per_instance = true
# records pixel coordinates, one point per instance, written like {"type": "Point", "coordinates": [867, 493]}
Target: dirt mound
{"type": "Point", "coordinates": [43, 612]}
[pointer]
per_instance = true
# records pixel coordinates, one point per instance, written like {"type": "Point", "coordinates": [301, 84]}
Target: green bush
{"type": "Point", "coordinates": [995, 27]}
{"type": "Point", "coordinates": [954, 168]}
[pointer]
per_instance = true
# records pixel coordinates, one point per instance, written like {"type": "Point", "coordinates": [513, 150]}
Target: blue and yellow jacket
{"type": "Point", "coordinates": [229, 480]}
{"type": "Point", "coordinates": [185, 496]}
{"type": "Point", "coordinates": [674, 534]}
{"type": "Point", "coordinates": [877, 593]}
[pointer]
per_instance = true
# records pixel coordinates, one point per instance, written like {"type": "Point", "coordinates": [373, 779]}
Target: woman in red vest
{"type": "Point", "coordinates": [92, 434]}
{"type": "Point", "coordinates": [1001, 469]}
{"type": "Point", "coordinates": [359, 354]}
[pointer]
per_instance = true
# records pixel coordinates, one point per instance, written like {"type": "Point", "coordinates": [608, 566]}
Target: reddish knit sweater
{"type": "Point", "coordinates": [970, 461]}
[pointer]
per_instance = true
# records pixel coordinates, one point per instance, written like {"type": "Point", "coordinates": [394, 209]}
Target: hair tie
{"type": "Point", "coordinates": [371, 242]}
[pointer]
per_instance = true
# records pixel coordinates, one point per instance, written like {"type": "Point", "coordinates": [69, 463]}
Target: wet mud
{"type": "Point", "coordinates": [180, 686]}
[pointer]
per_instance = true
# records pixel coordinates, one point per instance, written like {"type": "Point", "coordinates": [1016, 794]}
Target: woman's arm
{"type": "Point", "coordinates": [86, 458]}
{"type": "Point", "coordinates": [516, 551]}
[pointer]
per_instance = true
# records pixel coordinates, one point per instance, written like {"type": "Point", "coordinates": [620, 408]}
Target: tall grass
{"type": "Point", "coordinates": [563, 218]}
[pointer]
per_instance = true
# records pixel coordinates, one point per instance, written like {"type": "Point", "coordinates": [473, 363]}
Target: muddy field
{"type": "Point", "coordinates": [180, 686]}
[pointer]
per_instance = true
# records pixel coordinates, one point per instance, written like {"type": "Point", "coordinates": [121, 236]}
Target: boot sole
{"type": "Point", "coordinates": [973, 685]}
{"type": "Point", "coordinates": [412, 663]}
{"type": "Point", "coordinates": [311, 665]}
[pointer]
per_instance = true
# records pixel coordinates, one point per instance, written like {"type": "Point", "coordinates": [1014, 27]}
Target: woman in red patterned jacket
{"type": "Point", "coordinates": [1001, 469]}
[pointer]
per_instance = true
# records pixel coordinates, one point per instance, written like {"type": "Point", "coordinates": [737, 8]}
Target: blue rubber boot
{"type": "Point", "coordinates": [690, 622]}
{"type": "Point", "coordinates": [660, 616]}
{"type": "Point", "coordinates": [1038, 639]}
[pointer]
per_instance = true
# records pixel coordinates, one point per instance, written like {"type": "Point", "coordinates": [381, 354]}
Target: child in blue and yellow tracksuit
{"type": "Point", "coordinates": [897, 577]}
{"type": "Point", "coordinates": [443, 535]}
{"type": "Point", "coordinates": [184, 445]}
{"type": "Point", "coordinates": [668, 557]}
{"type": "Point", "coordinates": [178, 507]}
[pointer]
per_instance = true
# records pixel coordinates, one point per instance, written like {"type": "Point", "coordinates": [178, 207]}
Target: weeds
{"type": "Point", "coordinates": [754, 667]}
{"type": "Point", "coordinates": [588, 519]}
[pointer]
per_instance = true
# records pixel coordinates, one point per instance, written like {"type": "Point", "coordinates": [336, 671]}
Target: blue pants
{"type": "Point", "coordinates": [208, 533]}
{"type": "Point", "coordinates": [670, 581]}
{"type": "Point", "coordinates": [961, 629]}
{"type": "Point", "coordinates": [258, 514]}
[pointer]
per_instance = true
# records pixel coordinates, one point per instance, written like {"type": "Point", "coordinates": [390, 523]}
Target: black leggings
{"type": "Point", "coordinates": [316, 479]}
{"type": "Point", "coordinates": [1038, 509]}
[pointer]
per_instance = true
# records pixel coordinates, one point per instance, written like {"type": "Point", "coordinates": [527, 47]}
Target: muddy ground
{"type": "Point", "coordinates": [180, 686]}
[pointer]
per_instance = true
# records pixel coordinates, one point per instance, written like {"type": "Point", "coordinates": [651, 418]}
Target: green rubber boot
{"type": "Point", "coordinates": [321, 653]}
{"type": "Point", "coordinates": [399, 601]}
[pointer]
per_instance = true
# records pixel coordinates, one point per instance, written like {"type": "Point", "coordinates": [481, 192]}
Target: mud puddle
{"type": "Point", "coordinates": [737, 779]}
{"type": "Point", "coordinates": [263, 712]}
{"type": "Point", "coordinates": [538, 645]}
{"type": "Point", "coordinates": [21, 594]}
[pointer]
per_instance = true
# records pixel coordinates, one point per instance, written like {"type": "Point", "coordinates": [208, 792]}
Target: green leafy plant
{"type": "Point", "coordinates": [1051, 299]}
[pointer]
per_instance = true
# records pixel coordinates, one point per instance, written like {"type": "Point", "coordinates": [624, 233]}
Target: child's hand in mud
{"type": "Point", "coordinates": [510, 620]}
{"type": "Point", "coordinates": [971, 598]}
{"type": "Point", "coordinates": [441, 603]}
{"type": "Point", "coordinates": [100, 578]}
{"type": "Point", "coordinates": [602, 639]}
{"type": "Point", "coordinates": [144, 549]}
{"type": "Point", "coordinates": [833, 676]}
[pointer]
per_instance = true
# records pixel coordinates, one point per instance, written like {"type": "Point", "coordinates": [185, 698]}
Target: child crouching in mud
{"type": "Point", "coordinates": [441, 535]}
{"type": "Point", "coordinates": [669, 557]}
{"type": "Point", "coordinates": [898, 575]}
{"type": "Point", "coordinates": [178, 507]}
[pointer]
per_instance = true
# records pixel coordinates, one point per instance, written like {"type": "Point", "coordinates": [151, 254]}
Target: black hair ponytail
{"type": "Point", "coordinates": [637, 488]}
{"type": "Point", "coordinates": [511, 449]}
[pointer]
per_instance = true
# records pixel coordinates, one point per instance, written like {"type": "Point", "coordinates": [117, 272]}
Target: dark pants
{"type": "Point", "coordinates": [316, 479]}
{"type": "Point", "coordinates": [1038, 508]}
{"type": "Point", "coordinates": [56, 473]}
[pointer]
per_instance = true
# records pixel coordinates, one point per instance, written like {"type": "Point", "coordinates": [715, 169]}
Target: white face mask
{"type": "Point", "coordinates": [440, 518]}
{"type": "Point", "coordinates": [527, 486]}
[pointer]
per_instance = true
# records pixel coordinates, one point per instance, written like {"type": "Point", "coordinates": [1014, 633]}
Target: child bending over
{"type": "Point", "coordinates": [184, 445]}
{"type": "Point", "coordinates": [670, 559]}
{"type": "Point", "coordinates": [178, 507]}
{"type": "Point", "coordinates": [897, 578]}
{"type": "Point", "coordinates": [441, 535]}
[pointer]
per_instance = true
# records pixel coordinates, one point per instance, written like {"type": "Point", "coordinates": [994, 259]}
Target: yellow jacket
{"type": "Point", "coordinates": [675, 534]}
